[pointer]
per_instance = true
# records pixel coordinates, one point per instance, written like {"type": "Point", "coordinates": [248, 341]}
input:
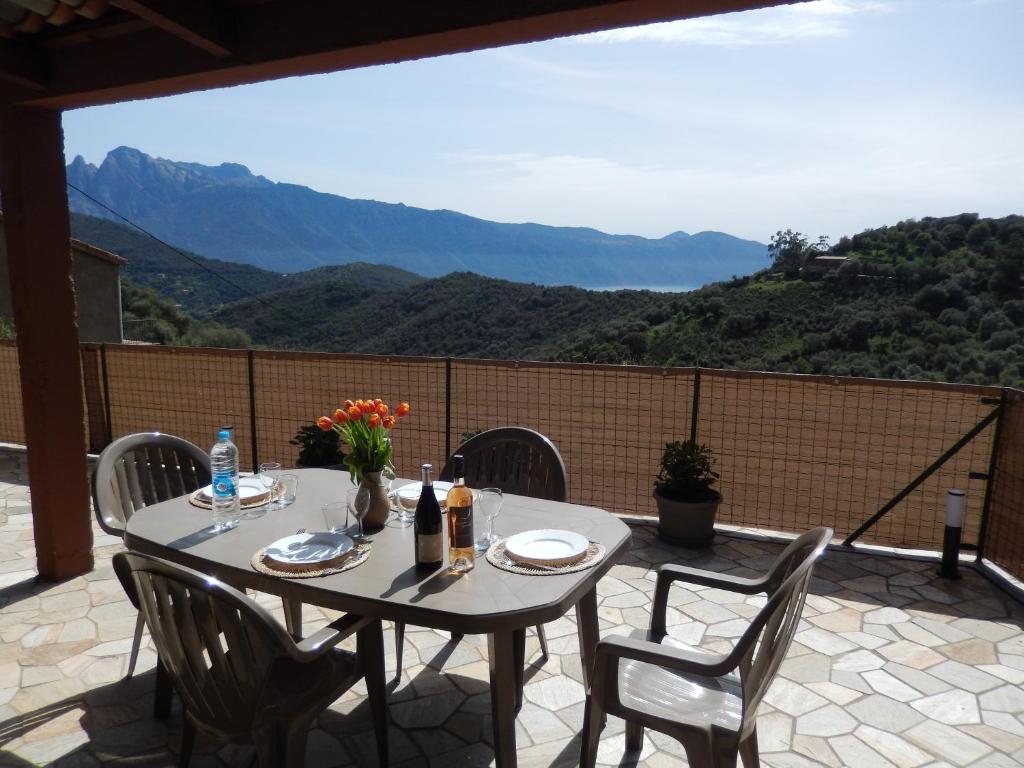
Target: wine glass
{"type": "Point", "coordinates": [267, 476]}
{"type": "Point", "coordinates": [490, 500]}
{"type": "Point", "coordinates": [358, 500]}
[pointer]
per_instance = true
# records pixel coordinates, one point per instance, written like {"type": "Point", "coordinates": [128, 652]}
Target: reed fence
{"type": "Point", "coordinates": [793, 451]}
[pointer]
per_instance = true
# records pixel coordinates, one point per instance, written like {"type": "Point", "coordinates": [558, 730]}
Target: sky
{"type": "Point", "coordinates": [828, 117]}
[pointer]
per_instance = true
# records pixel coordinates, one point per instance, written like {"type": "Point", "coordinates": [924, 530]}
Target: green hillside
{"type": "Point", "coordinates": [938, 298]}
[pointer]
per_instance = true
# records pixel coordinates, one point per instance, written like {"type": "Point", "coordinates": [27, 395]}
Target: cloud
{"type": "Point", "coordinates": [768, 26]}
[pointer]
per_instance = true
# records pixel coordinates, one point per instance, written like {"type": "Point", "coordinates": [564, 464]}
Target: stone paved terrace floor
{"type": "Point", "coordinates": [890, 667]}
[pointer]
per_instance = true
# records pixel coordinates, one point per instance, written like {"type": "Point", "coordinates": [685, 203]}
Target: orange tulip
{"type": "Point", "coordinates": [374, 420]}
{"type": "Point", "coordinates": [382, 409]}
{"type": "Point", "coordinates": [347, 404]}
{"type": "Point", "coordinates": [388, 422]}
{"type": "Point", "coordinates": [366, 406]}
{"type": "Point", "coordinates": [402, 410]}
{"type": "Point", "coordinates": [324, 423]}
{"type": "Point", "coordinates": [355, 413]}
{"type": "Point", "coordinates": [340, 416]}
{"type": "Point", "coordinates": [377, 401]}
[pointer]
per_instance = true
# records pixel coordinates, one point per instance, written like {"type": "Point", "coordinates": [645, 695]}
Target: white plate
{"type": "Point", "coordinates": [249, 490]}
{"type": "Point", "coordinates": [409, 494]}
{"type": "Point", "coordinates": [309, 548]}
{"type": "Point", "coordinates": [546, 545]}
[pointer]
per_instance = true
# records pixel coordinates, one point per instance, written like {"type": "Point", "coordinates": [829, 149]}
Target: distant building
{"type": "Point", "coordinates": [819, 265]}
{"type": "Point", "coordinates": [97, 290]}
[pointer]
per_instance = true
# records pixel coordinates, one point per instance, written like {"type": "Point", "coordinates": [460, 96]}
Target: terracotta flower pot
{"type": "Point", "coordinates": [687, 523]}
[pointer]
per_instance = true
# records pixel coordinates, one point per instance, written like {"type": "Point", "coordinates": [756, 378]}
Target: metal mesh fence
{"type": "Point", "coordinates": [610, 423]}
{"type": "Point", "coordinates": [12, 427]}
{"type": "Point", "coordinates": [292, 389]}
{"type": "Point", "coordinates": [1004, 536]}
{"type": "Point", "coordinates": [800, 451]}
{"type": "Point", "coordinates": [793, 451]}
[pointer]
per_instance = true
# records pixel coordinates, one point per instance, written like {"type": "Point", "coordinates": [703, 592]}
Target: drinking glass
{"type": "Point", "coordinates": [358, 500]}
{"type": "Point", "coordinates": [489, 500]}
{"type": "Point", "coordinates": [335, 515]}
{"type": "Point", "coordinates": [268, 477]}
{"type": "Point", "coordinates": [288, 487]}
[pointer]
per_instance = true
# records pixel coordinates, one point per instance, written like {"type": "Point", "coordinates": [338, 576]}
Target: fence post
{"type": "Point", "coordinates": [695, 407]}
{"type": "Point", "coordinates": [993, 458]}
{"type": "Point", "coordinates": [447, 408]}
{"type": "Point", "coordinates": [252, 411]}
{"type": "Point", "coordinates": [106, 393]}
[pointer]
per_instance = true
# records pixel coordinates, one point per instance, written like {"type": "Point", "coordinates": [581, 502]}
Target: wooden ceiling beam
{"type": "Point", "coordinates": [23, 65]}
{"type": "Point", "coordinates": [286, 38]}
{"type": "Point", "coordinates": [197, 22]}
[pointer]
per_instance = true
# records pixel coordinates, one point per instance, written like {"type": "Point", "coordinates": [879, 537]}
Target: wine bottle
{"type": "Point", "coordinates": [427, 525]}
{"type": "Point", "coordinates": [461, 550]}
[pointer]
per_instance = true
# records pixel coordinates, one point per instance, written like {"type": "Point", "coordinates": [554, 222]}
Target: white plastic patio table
{"type": "Point", "coordinates": [388, 586]}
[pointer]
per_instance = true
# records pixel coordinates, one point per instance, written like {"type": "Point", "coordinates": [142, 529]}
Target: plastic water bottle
{"type": "Point", "coordinates": [224, 468]}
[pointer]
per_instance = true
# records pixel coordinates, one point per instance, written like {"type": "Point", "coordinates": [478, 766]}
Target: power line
{"type": "Point", "coordinates": [180, 252]}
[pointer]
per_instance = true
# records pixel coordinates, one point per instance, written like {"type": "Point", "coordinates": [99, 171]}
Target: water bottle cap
{"type": "Point", "coordinates": [223, 434]}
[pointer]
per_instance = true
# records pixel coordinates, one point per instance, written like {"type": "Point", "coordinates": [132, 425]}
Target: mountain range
{"type": "Point", "coordinates": [226, 212]}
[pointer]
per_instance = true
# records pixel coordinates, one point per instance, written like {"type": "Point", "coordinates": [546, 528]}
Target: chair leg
{"type": "Point", "coordinates": [292, 617]}
{"type": "Point", "coordinates": [188, 741]}
{"type": "Point", "coordinates": [370, 646]}
{"type": "Point", "coordinates": [634, 736]}
{"type": "Point", "coordinates": [399, 648]}
{"type": "Point", "coordinates": [542, 636]}
{"type": "Point", "coordinates": [749, 752]}
{"type": "Point", "coordinates": [593, 722]}
{"type": "Point", "coordinates": [457, 637]}
{"type": "Point", "coordinates": [140, 624]}
{"type": "Point", "coordinates": [292, 744]}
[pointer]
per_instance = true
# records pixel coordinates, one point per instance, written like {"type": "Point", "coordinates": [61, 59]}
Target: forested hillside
{"type": "Point", "coordinates": [938, 298]}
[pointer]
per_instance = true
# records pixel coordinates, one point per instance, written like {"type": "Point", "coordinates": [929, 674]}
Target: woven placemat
{"type": "Point", "coordinates": [356, 557]}
{"type": "Point", "coordinates": [196, 500]}
{"type": "Point", "coordinates": [498, 557]}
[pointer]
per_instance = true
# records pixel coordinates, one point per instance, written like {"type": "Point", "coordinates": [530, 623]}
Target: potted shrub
{"type": "Point", "coordinates": [687, 503]}
{"type": "Point", "coordinates": [318, 448]}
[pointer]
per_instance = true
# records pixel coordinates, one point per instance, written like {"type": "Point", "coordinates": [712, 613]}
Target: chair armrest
{"type": "Point", "coordinates": [669, 573]}
{"type": "Point", "coordinates": [665, 656]}
{"type": "Point", "coordinates": [322, 641]}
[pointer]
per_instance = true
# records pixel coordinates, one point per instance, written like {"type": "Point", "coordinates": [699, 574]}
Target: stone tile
{"type": "Point", "coordinates": [555, 693]}
{"type": "Point", "coordinates": [830, 720]}
{"type": "Point", "coordinates": [911, 654]}
{"type": "Point", "coordinates": [896, 750]}
{"type": "Point", "coordinates": [963, 676]}
{"type": "Point", "coordinates": [1008, 698]}
{"type": "Point", "coordinates": [817, 749]}
{"type": "Point", "coordinates": [956, 746]}
{"type": "Point", "coordinates": [791, 698]}
{"type": "Point", "coordinates": [888, 685]}
{"type": "Point", "coordinates": [885, 713]}
{"type": "Point", "coordinates": [951, 707]}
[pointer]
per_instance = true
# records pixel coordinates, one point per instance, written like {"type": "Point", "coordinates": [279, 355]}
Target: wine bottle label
{"type": "Point", "coordinates": [429, 548]}
{"type": "Point", "coordinates": [461, 521]}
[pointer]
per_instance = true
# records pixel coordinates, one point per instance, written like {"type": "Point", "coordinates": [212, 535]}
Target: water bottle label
{"type": "Point", "coordinates": [223, 485]}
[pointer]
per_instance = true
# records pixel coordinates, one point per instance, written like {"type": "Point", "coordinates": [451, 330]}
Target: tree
{"type": "Point", "coordinates": [787, 252]}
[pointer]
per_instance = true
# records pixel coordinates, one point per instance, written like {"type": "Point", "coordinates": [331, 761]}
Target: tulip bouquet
{"type": "Point", "coordinates": [365, 425]}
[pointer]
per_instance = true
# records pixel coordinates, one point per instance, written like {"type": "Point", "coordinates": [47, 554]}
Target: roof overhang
{"type": "Point", "coordinates": [136, 49]}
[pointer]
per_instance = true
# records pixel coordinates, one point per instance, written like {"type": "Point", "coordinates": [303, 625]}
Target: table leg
{"type": "Point", "coordinates": [519, 637]}
{"type": "Point", "coordinates": [502, 658]}
{"type": "Point", "coordinates": [587, 628]}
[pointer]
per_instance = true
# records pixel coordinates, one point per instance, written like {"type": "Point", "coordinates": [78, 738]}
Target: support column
{"type": "Point", "coordinates": [37, 231]}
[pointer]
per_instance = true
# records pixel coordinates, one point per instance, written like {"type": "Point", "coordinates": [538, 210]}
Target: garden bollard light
{"type": "Point", "coordinates": [955, 502]}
